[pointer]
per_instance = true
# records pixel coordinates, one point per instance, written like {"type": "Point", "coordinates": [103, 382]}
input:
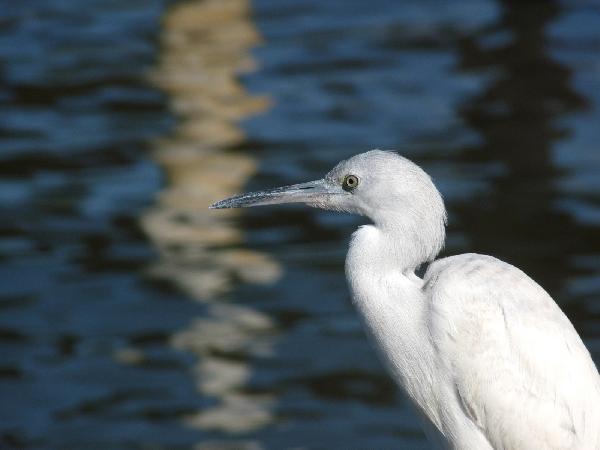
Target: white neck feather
{"type": "Point", "coordinates": [409, 239]}
{"type": "Point", "coordinates": [387, 294]}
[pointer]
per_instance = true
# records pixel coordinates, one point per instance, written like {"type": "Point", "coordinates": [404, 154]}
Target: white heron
{"type": "Point", "coordinates": [487, 358]}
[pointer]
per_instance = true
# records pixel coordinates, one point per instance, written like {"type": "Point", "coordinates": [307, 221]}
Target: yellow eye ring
{"type": "Point", "coordinates": [350, 182]}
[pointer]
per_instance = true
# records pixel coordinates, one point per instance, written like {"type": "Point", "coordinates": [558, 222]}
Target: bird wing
{"type": "Point", "coordinates": [518, 367]}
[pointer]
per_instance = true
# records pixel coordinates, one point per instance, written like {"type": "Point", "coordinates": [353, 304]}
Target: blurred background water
{"type": "Point", "coordinates": [131, 317]}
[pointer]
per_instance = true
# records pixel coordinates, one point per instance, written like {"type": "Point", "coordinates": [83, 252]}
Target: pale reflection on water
{"type": "Point", "coordinates": [204, 46]}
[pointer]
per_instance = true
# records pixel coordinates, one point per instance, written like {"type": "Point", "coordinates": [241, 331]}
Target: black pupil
{"type": "Point", "coordinates": [350, 182]}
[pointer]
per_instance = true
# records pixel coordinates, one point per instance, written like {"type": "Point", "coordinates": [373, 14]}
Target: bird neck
{"type": "Point", "coordinates": [388, 297]}
{"type": "Point", "coordinates": [408, 239]}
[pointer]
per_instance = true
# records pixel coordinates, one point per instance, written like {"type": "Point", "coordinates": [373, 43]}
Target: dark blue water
{"type": "Point", "coordinates": [131, 317]}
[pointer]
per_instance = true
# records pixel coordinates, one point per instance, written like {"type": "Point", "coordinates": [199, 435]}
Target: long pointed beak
{"type": "Point", "coordinates": [311, 192]}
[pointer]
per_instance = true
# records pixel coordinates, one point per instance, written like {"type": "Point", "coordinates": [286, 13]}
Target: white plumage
{"type": "Point", "coordinates": [485, 355]}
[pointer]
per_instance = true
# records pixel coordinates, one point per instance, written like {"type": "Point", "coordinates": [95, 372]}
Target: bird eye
{"type": "Point", "coordinates": [350, 182]}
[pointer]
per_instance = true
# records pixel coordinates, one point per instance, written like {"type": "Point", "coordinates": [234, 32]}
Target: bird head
{"type": "Point", "coordinates": [380, 185]}
{"type": "Point", "coordinates": [395, 193]}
